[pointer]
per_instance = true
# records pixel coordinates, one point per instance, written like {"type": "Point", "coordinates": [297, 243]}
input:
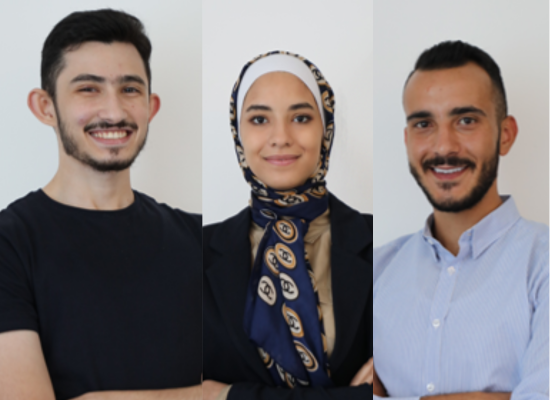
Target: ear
{"type": "Point", "coordinates": [508, 133]}
{"type": "Point", "coordinates": [154, 105]}
{"type": "Point", "coordinates": [41, 105]}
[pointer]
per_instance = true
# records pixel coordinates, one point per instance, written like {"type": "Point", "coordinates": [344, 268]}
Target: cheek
{"type": "Point", "coordinates": [417, 149]}
{"type": "Point", "coordinates": [252, 142]}
{"type": "Point", "coordinates": [82, 115]}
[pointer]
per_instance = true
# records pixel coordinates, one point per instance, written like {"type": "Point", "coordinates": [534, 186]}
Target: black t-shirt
{"type": "Point", "coordinates": [114, 295]}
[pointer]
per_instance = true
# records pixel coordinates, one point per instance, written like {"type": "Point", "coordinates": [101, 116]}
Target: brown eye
{"type": "Point", "coordinates": [87, 89]}
{"type": "Point", "coordinates": [466, 121]}
{"type": "Point", "coordinates": [422, 124]}
{"type": "Point", "coordinates": [302, 119]}
{"type": "Point", "coordinates": [130, 90]}
{"type": "Point", "coordinates": [258, 120]}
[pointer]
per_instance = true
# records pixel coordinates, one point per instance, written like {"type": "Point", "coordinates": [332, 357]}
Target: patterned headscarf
{"type": "Point", "coordinates": [283, 317]}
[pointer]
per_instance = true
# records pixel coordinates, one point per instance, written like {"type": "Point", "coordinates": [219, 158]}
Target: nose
{"type": "Point", "coordinates": [281, 135]}
{"type": "Point", "coordinates": [446, 140]}
{"type": "Point", "coordinates": [112, 107]}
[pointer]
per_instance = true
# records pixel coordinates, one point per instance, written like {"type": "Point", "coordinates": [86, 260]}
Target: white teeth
{"type": "Point", "coordinates": [110, 134]}
{"type": "Point", "coordinates": [448, 171]}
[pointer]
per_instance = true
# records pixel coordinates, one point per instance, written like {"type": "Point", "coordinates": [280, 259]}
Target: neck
{"type": "Point", "coordinates": [78, 185]}
{"type": "Point", "coordinates": [448, 227]}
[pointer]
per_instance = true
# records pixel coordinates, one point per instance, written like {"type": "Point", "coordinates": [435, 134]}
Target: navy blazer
{"type": "Point", "coordinates": [230, 357]}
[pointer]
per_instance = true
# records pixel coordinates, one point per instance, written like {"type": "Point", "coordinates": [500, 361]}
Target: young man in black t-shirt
{"type": "Point", "coordinates": [100, 286]}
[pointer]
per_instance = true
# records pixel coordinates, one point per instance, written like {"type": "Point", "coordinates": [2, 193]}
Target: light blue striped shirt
{"type": "Point", "coordinates": [474, 322]}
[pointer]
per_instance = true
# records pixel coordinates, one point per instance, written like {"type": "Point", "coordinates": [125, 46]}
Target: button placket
{"type": "Point", "coordinates": [439, 309]}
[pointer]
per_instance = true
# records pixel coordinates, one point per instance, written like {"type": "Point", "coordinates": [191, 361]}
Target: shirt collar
{"type": "Point", "coordinates": [485, 232]}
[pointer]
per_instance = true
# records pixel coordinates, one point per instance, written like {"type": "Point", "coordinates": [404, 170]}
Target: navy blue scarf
{"type": "Point", "coordinates": [283, 317]}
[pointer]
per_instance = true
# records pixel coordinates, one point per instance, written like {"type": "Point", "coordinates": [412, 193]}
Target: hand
{"type": "Point", "coordinates": [365, 375]}
{"type": "Point", "coordinates": [88, 396]}
{"type": "Point", "coordinates": [377, 386]}
{"type": "Point", "coordinates": [211, 389]}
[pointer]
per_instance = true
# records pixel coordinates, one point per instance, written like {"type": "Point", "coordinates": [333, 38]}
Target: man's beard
{"type": "Point", "coordinates": [487, 176]}
{"type": "Point", "coordinates": [71, 148]}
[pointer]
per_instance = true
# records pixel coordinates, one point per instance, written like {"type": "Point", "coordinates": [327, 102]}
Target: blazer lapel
{"type": "Point", "coordinates": [351, 275]}
{"type": "Point", "coordinates": [228, 277]}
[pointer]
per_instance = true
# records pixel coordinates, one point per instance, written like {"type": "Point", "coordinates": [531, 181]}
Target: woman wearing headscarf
{"type": "Point", "coordinates": [288, 280]}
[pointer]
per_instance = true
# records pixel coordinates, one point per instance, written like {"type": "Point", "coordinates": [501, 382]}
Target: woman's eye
{"type": "Point", "coordinates": [302, 119]}
{"type": "Point", "coordinates": [258, 120]}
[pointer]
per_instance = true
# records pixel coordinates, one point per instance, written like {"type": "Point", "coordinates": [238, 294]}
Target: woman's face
{"type": "Point", "coordinates": [281, 130]}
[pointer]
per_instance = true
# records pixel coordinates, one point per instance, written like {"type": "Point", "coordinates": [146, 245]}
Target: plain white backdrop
{"type": "Point", "coordinates": [169, 168]}
{"type": "Point", "coordinates": [515, 34]}
{"type": "Point", "coordinates": [337, 38]}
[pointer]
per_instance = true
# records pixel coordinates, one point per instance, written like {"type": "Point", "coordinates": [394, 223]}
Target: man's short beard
{"type": "Point", "coordinates": [71, 149]}
{"type": "Point", "coordinates": [487, 176]}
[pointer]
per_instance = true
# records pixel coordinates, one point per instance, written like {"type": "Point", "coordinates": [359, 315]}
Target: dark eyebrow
{"type": "Point", "coordinates": [419, 114]}
{"type": "Point", "coordinates": [99, 79]}
{"type": "Point", "coordinates": [130, 79]}
{"type": "Point", "coordinates": [258, 107]}
{"type": "Point", "coordinates": [299, 106]}
{"type": "Point", "coordinates": [466, 110]}
{"type": "Point", "coordinates": [88, 77]}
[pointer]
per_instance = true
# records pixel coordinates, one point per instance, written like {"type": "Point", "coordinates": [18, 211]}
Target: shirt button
{"type": "Point", "coordinates": [430, 387]}
{"type": "Point", "coordinates": [451, 271]}
{"type": "Point", "coordinates": [436, 323]}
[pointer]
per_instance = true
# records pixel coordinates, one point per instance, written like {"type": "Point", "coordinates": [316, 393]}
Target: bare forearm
{"type": "Point", "coordinates": [470, 396]}
{"type": "Point", "coordinates": [190, 393]}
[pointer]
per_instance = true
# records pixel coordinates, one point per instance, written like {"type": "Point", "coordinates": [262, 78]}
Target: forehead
{"type": "Point", "coordinates": [107, 60]}
{"type": "Point", "coordinates": [278, 86]}
{"type": "Point", "coordinates": [445, 89]}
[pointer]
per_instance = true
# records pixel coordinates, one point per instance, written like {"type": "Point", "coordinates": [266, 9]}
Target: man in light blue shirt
{"type": "Point", "coordinates": [461, 307]}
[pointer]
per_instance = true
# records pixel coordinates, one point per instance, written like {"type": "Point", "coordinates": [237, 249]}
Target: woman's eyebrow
{"type": "Point", "coordinates": [256, 107]}
{"type": "Point", "coordinates": [299, 106]}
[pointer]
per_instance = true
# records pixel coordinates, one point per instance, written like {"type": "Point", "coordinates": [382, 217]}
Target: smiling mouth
{"type": "Point", "coordinates": [111, 137]}
{"type": "Point", "coordinates": [447, 172]}
{"type": "Point", "coordinates": [110, 134]}
{"type": "Point", "coordinates": [281, 160]}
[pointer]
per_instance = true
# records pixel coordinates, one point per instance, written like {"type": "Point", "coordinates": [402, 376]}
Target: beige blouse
{"type": "Point", "coordinates": [317, 245]}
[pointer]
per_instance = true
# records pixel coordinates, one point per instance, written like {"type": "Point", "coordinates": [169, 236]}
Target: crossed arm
{"type": "Point", "coordinates": [213, 389]}
{"type": "Point", "coordinates": [379, 391]}
{"type": "Point", "coordinates": [24, 375]}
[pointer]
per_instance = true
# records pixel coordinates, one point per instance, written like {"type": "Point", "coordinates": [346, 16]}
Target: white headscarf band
{"type": "Point", "coordinates": [278, 63]}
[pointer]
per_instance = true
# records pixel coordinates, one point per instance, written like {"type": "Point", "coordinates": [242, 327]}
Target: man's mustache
{"type": "Point", "coordinates": [106, 125]}
{"type": "Point", "coordinates": [452, 161]}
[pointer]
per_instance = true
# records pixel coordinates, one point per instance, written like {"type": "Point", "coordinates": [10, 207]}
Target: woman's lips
{"type": "Point", "coordinates": [281, 160]}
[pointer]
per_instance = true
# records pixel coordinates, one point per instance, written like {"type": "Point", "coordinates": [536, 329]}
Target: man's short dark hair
{"type": "Point", "coordinates": [456, 54]}
{"type": "Point", "coordinates": [106, 26]}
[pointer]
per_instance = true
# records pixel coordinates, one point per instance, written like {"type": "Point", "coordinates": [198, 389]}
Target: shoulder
{"type": "Point", "coordinates": [237, 222]}
{"type": "Point", "coordinates": [341, 213]}
{"type": "Point", "coordinates": [189, 222]}
{"type": "Point", "coordinates": [534, 238]}
{"type": "Point", "coordinates": [230, 233]}
{"type": "Point", "coordinates": [384, 255]}
{"type": "Point", "coordinates": [16, 218]}
{"type": "Point", "coordinates": [535, 232]}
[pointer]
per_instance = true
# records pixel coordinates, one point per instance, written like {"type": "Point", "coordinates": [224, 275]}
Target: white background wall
{"type": "Point", "coordinates": [515, 34]}
{"type": "Point", "coordinates": [169, 168]}
{"type": "Point", "coordinates": [337, 37]}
